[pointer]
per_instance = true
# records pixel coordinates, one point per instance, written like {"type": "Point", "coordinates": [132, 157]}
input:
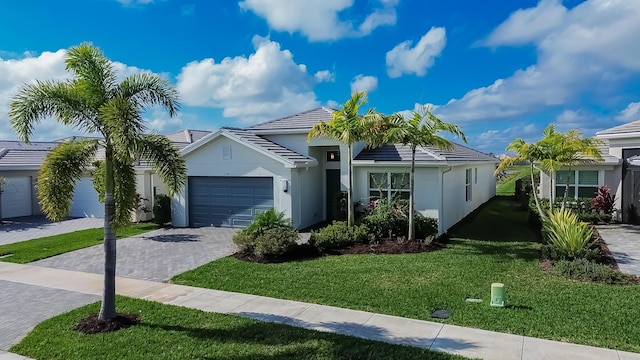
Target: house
{"type": "Point", "coordinates": [619, 170]}
{"type": "Point", "coordinates": [20, 164]}
{"type": "Point", "coordinates": [234, 173]}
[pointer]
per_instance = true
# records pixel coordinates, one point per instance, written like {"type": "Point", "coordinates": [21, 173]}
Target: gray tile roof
{"type": "Point", "coordinates": [280, 151]}
{"type": "Point", "coordinates": [301, 121]}
{"type": "Point", "coordinates": [607, 158]}
{"type": "Point", "coordinates": [632, 127]}
{"type": "Point", "coordinates": [397, 152]}
{"type": "Point", "coordinates": [187, 136]}
{"type": "Point", "coordinates": [14, 153]}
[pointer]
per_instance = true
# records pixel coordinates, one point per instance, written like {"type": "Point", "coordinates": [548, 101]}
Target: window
{"type": "Point", "coordinates": [468, 184]}
{"type": "Point", "coordinates": [586, 186]}
{"type": "Point", "coordinates": [388, 185]}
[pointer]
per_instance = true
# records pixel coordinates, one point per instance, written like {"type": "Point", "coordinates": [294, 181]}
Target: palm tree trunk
{"type": "Point", "coordinates": [412, 230]}
{"type": "Point", "coordinates": [350, 217]}
{"type": "Point", "coordinates": [535, 195]}
{"type": "Point", "coordinates": [566, 190]}
{"type": "Point", "coordinates": [108, 309]}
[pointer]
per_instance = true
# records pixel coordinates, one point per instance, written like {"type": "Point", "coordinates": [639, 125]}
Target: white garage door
{"type": "Point", "coordinates": [85, 200]}
{"type": "Point", "coordinates": [16, 197]}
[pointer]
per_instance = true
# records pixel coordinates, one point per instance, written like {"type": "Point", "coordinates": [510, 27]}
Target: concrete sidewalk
{"type": "Point", "coordinates": [468, 342]}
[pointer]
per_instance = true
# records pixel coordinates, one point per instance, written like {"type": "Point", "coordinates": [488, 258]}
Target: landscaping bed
{"type": "Point", "coordinates": [172, 332]}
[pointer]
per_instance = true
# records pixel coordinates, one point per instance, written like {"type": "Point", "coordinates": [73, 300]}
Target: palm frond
{"type": "Point", "coordinates": [124, 126]}
{"type": "Point", "coordinates": [149, 89]}
{"type": "Point", "coordinates": [94, 72]}
{"type": "Point", "coordinates": [166, 159]}
{"type": "Point", "coordinates": [62, 168]}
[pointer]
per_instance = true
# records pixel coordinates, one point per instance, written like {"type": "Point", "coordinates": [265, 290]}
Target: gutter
{"type": "Point", "coordinates": [441, 212]}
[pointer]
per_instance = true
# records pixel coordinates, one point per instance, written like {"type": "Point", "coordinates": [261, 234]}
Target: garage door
{"type": "Point", "coordinates": [228, 201]}
{"type": "Point", "coordinates": [85, 201]}
{"type": "Point", "coordinates": [15, 199]}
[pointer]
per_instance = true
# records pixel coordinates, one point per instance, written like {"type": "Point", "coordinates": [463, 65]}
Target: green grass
{"type": "Point", "coordinates": [36, 249]}
{"type": "Point", "coordinates": [171, 332]}
{"type": "Point", "coordinates": [507, 186]}
{"type": "Point", "coordinates": [495, 246]}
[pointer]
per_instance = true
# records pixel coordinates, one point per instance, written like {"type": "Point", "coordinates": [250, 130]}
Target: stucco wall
{"type": "Point", "coordinates": [208, 161]}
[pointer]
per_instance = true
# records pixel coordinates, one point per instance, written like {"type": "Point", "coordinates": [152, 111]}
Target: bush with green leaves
{"type": "Point", "coordinates": [569, 237]}
{"type": "Point", "coordinates": [338, 235]}
{"type": "Point", "coordinates": [162, 209]}
{"type": "Point", "coordinates": [269, 235]}
{"type": "Point", "coordinates": [389, 218]}
{"type": "Point", "coordinates": [585, 270]}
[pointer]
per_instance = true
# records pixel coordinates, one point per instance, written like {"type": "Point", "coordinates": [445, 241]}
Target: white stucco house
{"type": "Point", "coordinates": [235, 173]}
{"type": "Point", "coordinates": [20, 165]}
{"type": "Point", "coordinates": [619, 170]}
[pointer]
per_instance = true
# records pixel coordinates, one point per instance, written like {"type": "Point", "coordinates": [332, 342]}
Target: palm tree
{"type": "Point", "coordinates": [94, 102]}
{"type": "Point", "coordinates": [525, 152]}
{"type": "Point", "coordinates": [420, 130]}
{"type": "Point", "coordinates": [567, 150]}
{"type": "Point", "coordinates": [347, 127]}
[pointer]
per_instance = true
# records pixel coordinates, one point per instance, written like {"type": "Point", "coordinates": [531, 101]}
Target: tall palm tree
{"type": "Point", "coordinates": [93, 101]}
{"type": "Point", "coordinates": [525, 152]}
{"type": "Point", "coordinates": [421, 129]}
{"type": "Point", "coordinates": [567, 149]}
{"type": "Point", "coordinates": [347, 127]}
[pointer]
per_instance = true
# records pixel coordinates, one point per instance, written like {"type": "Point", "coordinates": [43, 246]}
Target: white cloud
{"type": "Point", "coordinates": [134, 2]}
{"type": "Point", "coordinates": [630, 113]}
{"type": "Point", "coordinates": [264, 85]}
{"type": "Point", "coordinates": [14, 73]}
{"type": "Point", "coordinates": [488, 140]}
{"type": "Point", "coordinates": [333, 104]}
{"type": "Point", "coordinates": [364, 83]}
{"type": "Point", "coordinates": [579, 50]}
{"type": "Point", "coordinates": [319, 20]}
{"type": "Point", "coordinates": [404, 59]}
{"type": "Point", "coordinates": [324, 76]}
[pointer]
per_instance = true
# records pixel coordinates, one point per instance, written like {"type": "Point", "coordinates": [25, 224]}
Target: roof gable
{"type": "Point", "coordinates": [286, 156]}
{"type": "Point", "coordinates": [303, 121]}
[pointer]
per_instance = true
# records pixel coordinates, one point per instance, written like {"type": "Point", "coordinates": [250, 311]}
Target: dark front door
{"type": "Point", "coordinates": [333, 188]}
{"type": "Point", "coordinates": [630, 188]}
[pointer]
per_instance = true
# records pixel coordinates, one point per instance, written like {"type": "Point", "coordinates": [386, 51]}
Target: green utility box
{"type": "Point", "coordinates": [497, 295]}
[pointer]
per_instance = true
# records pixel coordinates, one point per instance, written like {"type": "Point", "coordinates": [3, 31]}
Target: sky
{"type": "Point", "coordinates": [499, 69]}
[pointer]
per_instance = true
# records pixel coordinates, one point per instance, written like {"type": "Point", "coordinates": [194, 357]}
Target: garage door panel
{"type": "Point", "coordinates": [15, 200]}
{"type": "Point", "coordinates": [85, 201]}
{"type": "Point", "coordinates": [228, 201]}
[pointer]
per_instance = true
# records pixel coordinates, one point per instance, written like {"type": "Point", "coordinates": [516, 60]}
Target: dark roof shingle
{"type": "Point", "coordinates": [269, 146]}
{"type": "Point", "coordinates": [398, 152]}
{"type": "Point", "coordinates": [17, 153]}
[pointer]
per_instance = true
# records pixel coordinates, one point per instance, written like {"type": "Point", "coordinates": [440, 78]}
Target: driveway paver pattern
{"type": "Point", "coordinates": [157, 255]}
{"type": "Point", "coordinates": [33, 227]}
{"type": "Point", "coordinates": [623, 241]}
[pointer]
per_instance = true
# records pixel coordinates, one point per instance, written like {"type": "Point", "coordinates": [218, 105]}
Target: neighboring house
{"type": "Point", "coordinates": [20, 164]}
{"type": "Point", "coordinates": [235, 173]}
{"type": "Point", "coordinates": [619, 170]}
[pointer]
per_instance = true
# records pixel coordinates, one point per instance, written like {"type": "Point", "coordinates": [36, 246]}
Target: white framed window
{"type": "Point", "coordinates": [468, 188]}
{"type": "Point", "coordinates": [586, 185]}
{"type": "Point", "coordinates": [389, 185]}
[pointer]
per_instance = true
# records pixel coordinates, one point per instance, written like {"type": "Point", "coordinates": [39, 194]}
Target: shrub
{"type": "Point", "coordinates": [387, 218]}
{"type": "Point", "coordinates": [338, 235]}
{"type": "Point", "coordinates": [339, 206]}
{"type": "Point", "coordinates": [162, 209]}
{"type": "Point", "coordinates": [570, 237]}
{"type": "Point", "coordinates": [585, 270]}
{"type": "Point", "coordinates": [269, 235]}
{"type": "Point", "coordinates": [275, 242]}
{"type": "Point", "coordinates": [604, 202]}
{"type": "Point", "coordinates": [425, 227]}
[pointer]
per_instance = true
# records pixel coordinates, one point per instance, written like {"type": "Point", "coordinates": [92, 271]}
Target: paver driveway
{"type": "Point", "coordinates": [33, 227]}
{"type": "Point", "coordinates": [157, 255]}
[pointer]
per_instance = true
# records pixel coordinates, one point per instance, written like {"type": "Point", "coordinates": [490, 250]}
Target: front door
{"type": "Point", "coordinates": [333, 188]}
{"type": "Point", "coordinates": [630, 188]}
{"type": "Point", "coordinates": [634, 206]}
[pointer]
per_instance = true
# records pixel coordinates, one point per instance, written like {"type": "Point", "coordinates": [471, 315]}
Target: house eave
{"type": "Point", "coordinates": [279, 131]}
{"type": "Point", "coordinates": [19, 167]}
{"type": "Point", "coordinates": [619, 135]}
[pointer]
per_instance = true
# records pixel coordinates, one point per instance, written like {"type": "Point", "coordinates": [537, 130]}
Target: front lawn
{"type": "Point", "coordinates": [495, 246]}
{"type": "Point", "coordinates": [41, 248]}
{"type": "Point", "coordinates": [507, 186]}
{"type": "Point", "coordinates": [171, 332]}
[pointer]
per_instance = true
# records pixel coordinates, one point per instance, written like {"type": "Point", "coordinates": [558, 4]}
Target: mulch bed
{"type": "Point", "coordinates": [382, 246]}
{"type": "Point", "coordinates": [93, 325]}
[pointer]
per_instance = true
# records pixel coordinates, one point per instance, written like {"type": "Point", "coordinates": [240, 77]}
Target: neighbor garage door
{"type": "Point", "coordinates": [15, 199]}
{"type": "Point", "coordinates": [85, 201]}
{"type": "Point", "coordinates": [228, 201]}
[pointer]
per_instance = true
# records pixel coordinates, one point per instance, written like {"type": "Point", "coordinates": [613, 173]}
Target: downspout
{"type": "Point", "coordinates": [441, 210]}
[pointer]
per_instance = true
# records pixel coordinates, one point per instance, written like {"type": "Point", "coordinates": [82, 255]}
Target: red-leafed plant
{"type": "Point", "coordinates": [604, 201]}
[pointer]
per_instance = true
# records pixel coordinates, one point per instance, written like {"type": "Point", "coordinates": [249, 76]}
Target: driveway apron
{"type": "Point", "coordinates": [33, 227]}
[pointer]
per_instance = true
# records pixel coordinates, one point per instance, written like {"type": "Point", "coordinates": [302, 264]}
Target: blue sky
{"type": "Point", "coordinates": [500, 69]}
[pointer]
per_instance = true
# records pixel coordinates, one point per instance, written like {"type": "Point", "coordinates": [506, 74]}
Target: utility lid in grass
{"type": "Point", "coordinates": [441, 314]}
